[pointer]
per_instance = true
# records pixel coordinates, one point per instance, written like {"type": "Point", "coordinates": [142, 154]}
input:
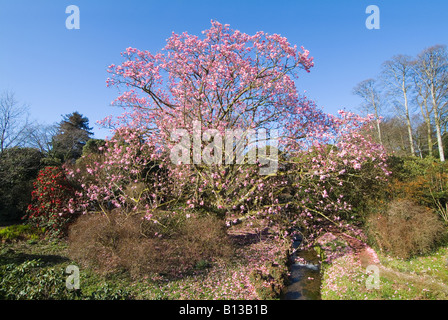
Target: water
{"type": "Point", "coordinates": [305, 279]}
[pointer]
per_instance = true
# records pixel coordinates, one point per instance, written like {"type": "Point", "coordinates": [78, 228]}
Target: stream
{"type": "Point", "coordinates": [305, 279]}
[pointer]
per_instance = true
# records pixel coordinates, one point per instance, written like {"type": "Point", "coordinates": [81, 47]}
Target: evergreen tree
{"type": "Point", "coordinates": [73, 132]}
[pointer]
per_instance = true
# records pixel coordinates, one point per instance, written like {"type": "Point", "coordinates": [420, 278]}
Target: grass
{"type": "Point", "coordinates": [419, 278]}
{"type": "Point", "coordinates": [20, 232]}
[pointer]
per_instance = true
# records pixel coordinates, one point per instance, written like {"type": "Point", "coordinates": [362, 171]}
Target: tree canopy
{"type": "Point", "coordinates": [73, 132]}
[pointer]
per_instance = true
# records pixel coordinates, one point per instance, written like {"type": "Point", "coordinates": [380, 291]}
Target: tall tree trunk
{"type": "Point", "coordinates": [408, 118]}
{"type": "Point", "coordinates": [379, 131]}
{"type": "Point", "coordinates": [437, 123]}
{"type": "Point", "coordinates": [426, 114]}
{"type": "Point", "coordinates": [439, 137]}
{"type": "Point", "coordinates": [429, 133]}
{"type": "Point", "coordinates": [377, 116]}
{"type": "Point", "coordinates": [439, 141]}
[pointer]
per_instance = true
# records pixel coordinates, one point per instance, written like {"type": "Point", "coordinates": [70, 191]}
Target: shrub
{"type": "Point", "coordinates": [141, 247]}
{"type": "Point", "coordinates": [93, 146]}
{"type": "Point", "coordinates": [18, 169]}
{"type": "Point", "coordinates": [50, 201]}
{"type": "Point", "coordinates": [405, 229]}
{"type": "Point", "coordinates": [424, 181]}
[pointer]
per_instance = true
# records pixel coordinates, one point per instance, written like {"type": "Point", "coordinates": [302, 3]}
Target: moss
{"type": "Point", "coordinates": [270, 282]}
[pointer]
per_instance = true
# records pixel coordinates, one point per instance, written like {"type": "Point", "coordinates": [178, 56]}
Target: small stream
{"type": "Point", "coordinates": [305, 279]}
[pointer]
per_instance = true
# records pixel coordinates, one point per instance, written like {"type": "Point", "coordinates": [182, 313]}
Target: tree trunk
{"type": "Point", "coordinates": [377, 119]}
{"type": "Point", "coordinates": [437, 123]}
{"type": "Point", "coordinates": [429, 132]}
{"type": "Point", "coordinates": [439, 137]}
{"type": "Point", "coordinates": [427, 117]}
{"type": "Point", "coordinates": [408, 120]}
{"type": "Point", "coordinates": [379, 131]}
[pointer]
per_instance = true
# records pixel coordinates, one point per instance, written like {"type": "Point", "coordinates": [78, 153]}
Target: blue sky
{"type": "Point", "coordinates": [57, 71]}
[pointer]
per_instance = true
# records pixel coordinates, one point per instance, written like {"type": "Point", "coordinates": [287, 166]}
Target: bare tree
{"type": "Point", "coordinates": [369, 92]}
{"type": "Point", "coordinates": [423, 145]}
{"type": "Point", "coordinates": [394, 134]}
{"type": "Point", "coordinates": [397, 76]}
{"type": "Point", "coordinates": [422, 99]}
{"type": "Point", "coordinates": [14, 123]}
{"type": "Point", "coordinates": [432, 68]}
{"type": "Point", "coordinates": [41, 137]}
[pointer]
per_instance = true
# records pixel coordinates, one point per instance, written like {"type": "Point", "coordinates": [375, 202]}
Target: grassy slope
{"type": "Point", "coordinates": [423, 277]}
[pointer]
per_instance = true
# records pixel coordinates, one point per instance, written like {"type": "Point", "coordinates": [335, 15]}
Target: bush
{"type": "Point", "coordinates": [93, 146]}
{"type": "Point", "coordinates": [141, 247]}
{"type": "Point", "coordinates": [423, 181]}
{"type": "Point", "coordinates": [50, 201]}
{"type": "Point", "coordinates": [18, 169]}
{"type": "Point", "coordinates": [405, 229]}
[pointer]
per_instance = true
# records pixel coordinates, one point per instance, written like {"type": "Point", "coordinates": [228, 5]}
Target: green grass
{"type": "Point", "coordinates": [422, 277]}
{"type": "Point", "coordinates": [20, 232]}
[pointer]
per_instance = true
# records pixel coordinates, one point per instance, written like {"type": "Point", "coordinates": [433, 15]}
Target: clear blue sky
{"type": "Point", "coordinates": [57, 71]}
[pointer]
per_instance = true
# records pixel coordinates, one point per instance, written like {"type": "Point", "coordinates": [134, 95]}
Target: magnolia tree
{"type": "Point", "coordinates": [205, 120]}
{"type": "Point", "coordinates": [334, 175]}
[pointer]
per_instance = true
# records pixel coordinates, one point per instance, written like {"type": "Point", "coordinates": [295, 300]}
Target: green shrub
{"type": "Point", "coordinates": [93, 146]}
{"type": "Point", "coordinates": [18, 169]}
